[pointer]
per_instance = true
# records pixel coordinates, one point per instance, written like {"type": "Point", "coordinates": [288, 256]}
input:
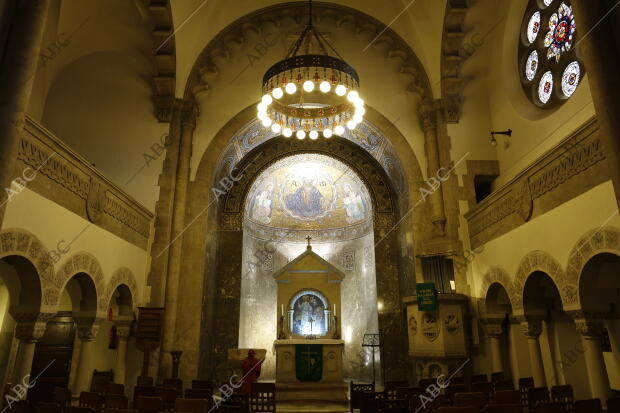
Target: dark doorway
{"type": "Point", "coordinates": [52, 358]}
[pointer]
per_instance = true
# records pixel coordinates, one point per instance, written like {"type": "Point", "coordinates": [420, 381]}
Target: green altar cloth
{"type": "Point", "coordinates": [309, 362]}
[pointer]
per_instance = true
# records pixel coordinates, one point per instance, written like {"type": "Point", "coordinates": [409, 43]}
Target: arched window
{"type": "Point", "coordinates": [549, 67]}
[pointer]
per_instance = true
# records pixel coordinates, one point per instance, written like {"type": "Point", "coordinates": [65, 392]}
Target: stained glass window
{"type": "Point", "coordinates": [533, 27]}
{"type": "Point", "coordinates": [531, 66]}
{"type": "Point", "coordinates": [545, 87]}
{"type": "Point", "coordinates": [551, 58]}
{"type": "Point", "coordinates": [570, 79]}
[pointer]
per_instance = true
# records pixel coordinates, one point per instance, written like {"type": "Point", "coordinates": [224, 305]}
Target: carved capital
{"type": "Point", "coordinates": [87, 328]}
{"type": "Point", "coordinates": [30, 332]}
{"type": "Point", "coordinates": [189, 113]}
{"type": "Point", "coordinates": [30, 326]}
{"type": "Point", "coordinates": [588, 324]}
{"type": "Point", "coordinates": [123, 327]}
{"type": "Point", "coordinates": [493, 327]}
{"type": "Point", "coordinates": [428, 115]}
{"type": "Point", "coordinates": [531, 328]}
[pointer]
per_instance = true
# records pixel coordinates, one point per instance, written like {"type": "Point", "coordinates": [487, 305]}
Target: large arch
{"type": "Point", "coordinates": [19, 242]}
{"type": "Point", "coordinates": [539, 261]}
{"type": "Point", "coordinates": [496, 274]}
{"type": "Point", "coordinates": [592, 243]}
{"type": "Point", "coordinates": [120, 277]}
{"type": "Point", "coordinates": [82, 263]}
{"type": "Point", "coordinates": [224, 284]}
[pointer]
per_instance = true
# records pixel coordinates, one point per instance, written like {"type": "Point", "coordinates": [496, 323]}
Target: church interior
{"type": "Point", "coordinates": [310, 206]}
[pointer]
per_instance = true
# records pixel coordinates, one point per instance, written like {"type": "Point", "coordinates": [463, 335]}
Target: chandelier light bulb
{"type": "Point", "coordinates": [314, 134]}
{"type": "Point", "coordinates": [287, 132]}
{"type": "Point", "coordinates": [261, 115]}
{"type": "Point", "coordinates": [359, 103]}
{"type": "Point", "coordinates": [290, 88]}
{"type": "Point", "coordinates": [341, 90]}
{"type": "Point", "coordinates": [327, 133]}
{"type": "Point", "coordinates": [339, 130]}
{"type": "Point", "coordinates": [308, 86]}
{"type": "Point", "coordinates": [276, 128]}
{"type": "Point", "coordinates": [325, 86]}
{"type": "Point", "coordinates": [353, 96]}
{"type": "Point", "coordinates": [262, 107]}
{"type": "Point", "coordinates": [267, 122]}
{"type": "Point", "coordinates": [351, 124]}
{"type": "Point", "coordinates": [267, 99]}
{"type": "Point", "coordinates": [300, 134]}
{"type": "Point", "coordinates": [277, 93]}
{"type": "Point", "coordinates": [360, 111]}
{"type": "Point", "coordinates": [358, 118]}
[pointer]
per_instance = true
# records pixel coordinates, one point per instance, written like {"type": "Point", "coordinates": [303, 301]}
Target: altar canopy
{"type": "Point", "coordinates": [309, 348]}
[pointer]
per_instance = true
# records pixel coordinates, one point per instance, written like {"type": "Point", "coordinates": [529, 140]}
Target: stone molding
{"type": "Point", "coordinates": [452, 58]}
{"type": "Point", "coordinates": [50, 157]}
{"type": "Point", "coordinates": [493, 326]}
{"type": "Point", "coordinates": [164, 49]}
{"type": "Point", "coordinates": [536, 189]}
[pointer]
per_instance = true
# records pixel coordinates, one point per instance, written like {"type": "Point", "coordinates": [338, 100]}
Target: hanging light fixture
{"type": "Point", "coordinates": [307, 94]}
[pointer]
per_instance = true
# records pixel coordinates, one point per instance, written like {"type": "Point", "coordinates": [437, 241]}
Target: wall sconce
{"type": "Point", "coordinates": [505, 133]}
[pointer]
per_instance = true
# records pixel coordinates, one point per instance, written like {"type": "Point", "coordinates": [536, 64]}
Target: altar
{"type": "Point", "coordinates": [309, 348]}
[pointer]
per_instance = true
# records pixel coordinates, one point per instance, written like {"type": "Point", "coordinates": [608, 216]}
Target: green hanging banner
{"type": "Point", "coordinates": [427, 296]}
{"type": "Point", "coordinates": [309, 362]}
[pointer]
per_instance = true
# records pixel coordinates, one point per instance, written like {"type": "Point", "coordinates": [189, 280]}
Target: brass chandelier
{"type": "Point", "coordinates": [305, 94]}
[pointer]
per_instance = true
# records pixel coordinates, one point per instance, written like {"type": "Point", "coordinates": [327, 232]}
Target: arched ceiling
{"type": "Point", "coordinates": [419, 23]}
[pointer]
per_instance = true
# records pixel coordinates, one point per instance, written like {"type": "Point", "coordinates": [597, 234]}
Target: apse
{"type": "Point", "coordinates": [309, 198]}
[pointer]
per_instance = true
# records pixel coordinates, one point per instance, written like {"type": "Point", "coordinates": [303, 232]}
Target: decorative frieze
{"type": "Point", "coordinates": [526, 195]}
{"type": "Point", "coordinates": [42, 154]}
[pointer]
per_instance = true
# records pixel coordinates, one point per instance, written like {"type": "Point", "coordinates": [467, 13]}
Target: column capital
{"type": "Point", "coordinates": [531, 327]}
{"type": "Point", "coordinates": [493, 326]}
{"type": "Point", "coordinates": [189, 113]}
{"type": "Point", "coordinates": [87, 328]}
{"type": "Point", "coordinates": [427, 112]}
{"type": "Point", "coordinates": [30, 325]}
{"type": "Point", "coordinates": [588, 324]}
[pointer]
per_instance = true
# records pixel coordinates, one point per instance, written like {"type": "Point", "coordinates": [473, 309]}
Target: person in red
{"type": "Point", "coordinates": [251, 371]}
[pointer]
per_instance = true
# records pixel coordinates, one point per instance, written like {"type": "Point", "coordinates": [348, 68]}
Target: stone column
{"type": "Point", "coordinates": [16, 79]}
{"type": "Point", "coordinates": [122, 332]}
{"type": "Point", "coordinates": [494, 333]}
{"type": "Point", "coordinates": [590, 330]}
{"type": "Point", "coordinates": [87, 333]}
{"type": "Point", "coordinates": [428, 118]}
{"type": "Point", "coordinates": [532, 330]}
{"type": "Point", "coordinates": [28, 333]}
{"type": "Point", "coordinates": [188, 124]}
{"type": "Point", "coordinates": [600, 54]}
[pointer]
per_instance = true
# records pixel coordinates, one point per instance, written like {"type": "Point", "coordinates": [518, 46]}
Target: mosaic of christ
{"type": "Point", "coordinates": [314, 190]}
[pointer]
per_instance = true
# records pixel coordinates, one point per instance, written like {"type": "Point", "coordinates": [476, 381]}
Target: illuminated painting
{"type": "Point", "coordinates": [309, 315]}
